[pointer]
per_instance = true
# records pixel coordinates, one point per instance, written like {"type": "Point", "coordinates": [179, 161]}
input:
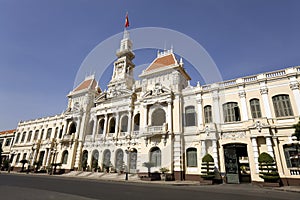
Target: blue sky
{"type": "Point", "coordinates": [43, 43]}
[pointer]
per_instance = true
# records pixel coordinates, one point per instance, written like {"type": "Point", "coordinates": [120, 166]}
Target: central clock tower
{"type": "Point", "coordinates": [122, 78]}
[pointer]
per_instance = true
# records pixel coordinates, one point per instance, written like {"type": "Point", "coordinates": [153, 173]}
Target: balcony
{"type": "Point", "coordinates": [68, 137]}
{"type": "Point", "coordinates": [294, 172]}
{"type": "Point", "coordinates": [89, 138]}
{"type": "Point", "coordinates": [156, 130]}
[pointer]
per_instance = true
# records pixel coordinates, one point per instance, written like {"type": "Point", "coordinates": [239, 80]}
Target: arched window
{"type": "Point", "coordinates": [133, 158]}
{"type": "Point", "coordinates": [255, 108]}
{"type": "Point", "coordinates": [29, 136]}
{"type": "Point", "coordinates": [208, 114]}
{"type": "Point", "coordinates": [61, 132]}
{"type": "Point", "coordinates": [23, 137]}
{"type": "Point", "coordinates": [64, 159]}
{"type": "Point", "coordinates": [36, 135]}
{"type": "Point", "coordinates": [282, 105]}
{"type": "Point", "coordinates": [112, 125]}
{"type": "Point", "coordinates": [231, 112]}
{"type": "Point", "coordinates": [158, 117]}
{"type": "Point", "coordinates": [191, 157]}
{"type": "Point", "coordinates": [155, 156]}
{"type": "Point", "coordinates": [90, 128]}
{"type": "Point", "coordinates": [56, 131]}
{"type": "Point", "coordinates": [72, 128]}
{"type": "Point", "coordinates": [17, 138]}
{"type": "Point", "coordinates": [48, 133]}
{"type": "Point", "coordinates": [124, 124]}
{"type": "Point", "coordinates": [136, 122]}
{"type": "Point", "coordinates": [101, 126]}
{"type": "Point", "coordinates": [42, 134]}
{"type": "Point", "coordinates": [190, 116]}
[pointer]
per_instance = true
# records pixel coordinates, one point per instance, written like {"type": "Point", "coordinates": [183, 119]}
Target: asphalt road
{"type": "Point", "coordinates": [32, 187]}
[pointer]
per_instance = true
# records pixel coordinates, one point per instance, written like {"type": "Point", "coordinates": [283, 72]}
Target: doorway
{"type": "Point", "coordinates": [237, 163]}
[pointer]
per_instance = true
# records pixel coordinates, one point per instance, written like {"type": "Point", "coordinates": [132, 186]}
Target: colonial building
{"type": "Point", "coordinates": [6, 141]}
{"type": "Point", "coordinates": [163, 120]}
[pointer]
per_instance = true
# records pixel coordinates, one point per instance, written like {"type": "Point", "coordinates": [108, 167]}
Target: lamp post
{"type": "Point", "coordinates": [128, 152]}
{"type": "Point", "coordinates": [53, 152]}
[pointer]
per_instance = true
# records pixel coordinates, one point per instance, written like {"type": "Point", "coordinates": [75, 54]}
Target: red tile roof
{"type": "Point", "coordinates": [87, 84]}
{"type": "Point", "coordinates": [162, 62]}
{"type": "Point", "coordinates": [7, 131]}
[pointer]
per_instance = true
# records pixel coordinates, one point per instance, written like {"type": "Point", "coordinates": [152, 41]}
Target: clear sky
{"type": "Point", "coordinates": [44, 42]}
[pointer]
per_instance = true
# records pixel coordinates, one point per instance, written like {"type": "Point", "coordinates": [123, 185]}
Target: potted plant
{"type": "Point", "coordinates": [268, 170]}
{"type": "Point", "coordinates": [207, 173]}
{"type": "Point", "coordinates": [163, 171]}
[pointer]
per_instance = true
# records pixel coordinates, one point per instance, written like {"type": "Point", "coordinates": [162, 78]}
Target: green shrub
{"type": "Point", "coordinates": [207, 167]}
{"type": "Point", "coordinates": [267, 167]}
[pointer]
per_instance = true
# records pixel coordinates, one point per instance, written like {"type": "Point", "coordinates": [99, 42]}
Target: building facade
{"type": "Point", "coordinates": [6, 141]}
{"type": "Point", "coordinates": [164, 120]}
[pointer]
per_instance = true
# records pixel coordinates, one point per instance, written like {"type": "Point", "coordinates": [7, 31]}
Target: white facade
{"type": "Point", "coordinates": [164, 120]}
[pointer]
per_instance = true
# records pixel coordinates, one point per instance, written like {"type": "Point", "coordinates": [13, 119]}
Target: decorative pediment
{"type": "Point", "coordinates": [101, 97]}
{"type": "Point", "coordinates": [259, 125]}
{"type": "Point", "coordinates": [157, 90]}
{"type": "Point", "coordinates": [114, 92]}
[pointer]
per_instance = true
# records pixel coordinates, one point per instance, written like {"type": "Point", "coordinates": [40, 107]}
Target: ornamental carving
{"type": "Point", "coordinates": [242, 94]}
{"type": "Point", "coordinates": [233, 135]}
{"type": "Point", "coordinates": [263, 90]}
{"type": "Point", "coordinates": [294, 86]}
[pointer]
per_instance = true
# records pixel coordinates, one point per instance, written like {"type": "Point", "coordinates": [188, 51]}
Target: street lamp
{"type": "Point", "coordinates": [128, 152]}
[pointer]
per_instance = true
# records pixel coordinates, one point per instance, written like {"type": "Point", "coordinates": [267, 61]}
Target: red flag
{"type": "Point", "coordinates": [126, 21]}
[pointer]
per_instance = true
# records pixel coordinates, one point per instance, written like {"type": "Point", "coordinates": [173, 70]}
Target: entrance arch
{"type": "Point", "coordinates": [236, 163]}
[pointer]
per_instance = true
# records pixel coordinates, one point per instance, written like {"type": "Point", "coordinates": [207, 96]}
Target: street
{"type": "Point", "coordinates": [23, 186]}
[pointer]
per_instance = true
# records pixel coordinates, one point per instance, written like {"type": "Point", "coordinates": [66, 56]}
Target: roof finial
{"type": "Point", "coordinates": [181, 62]}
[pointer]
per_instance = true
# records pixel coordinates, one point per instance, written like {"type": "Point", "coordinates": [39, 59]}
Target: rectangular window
{"type": "Point", "coordinates": [292, 153]}
{"type": "Point", "coordinates": [190, 116]}
{"type": "Point", "coordinates": [23, 137]}
{"type": "Point", "coordinates": [255, 108]}
{"type": "Point", "coordinates": [231, 112]}
{"type": "Point", "coordinates": [49, 133]}
{"type": "Point", "coordinates": [192, 157]}
{"type": "Point", "coordinates": [282, 106]}
{"type": "Point", "coordinates": [208, 114]}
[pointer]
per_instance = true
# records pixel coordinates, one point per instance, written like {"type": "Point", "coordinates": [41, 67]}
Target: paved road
{"type": "Point", "coordinates": [32, 187]}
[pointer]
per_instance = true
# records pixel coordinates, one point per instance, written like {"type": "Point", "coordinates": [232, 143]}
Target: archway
{"type": "Point", "coordinates": [133, 160]}
{"type": "Point", "coordinates": [84, 160]}
{"type": "Point", "coordinates": [237, 163]}
{"type": "Point", "coordinates": [106, 160]}
{"type": "Point", "coordinates": [72, 128]}
{"type": "Point", "coordinates": [95, 157]}
{"type": "Point", "coordinates": [119, 160]}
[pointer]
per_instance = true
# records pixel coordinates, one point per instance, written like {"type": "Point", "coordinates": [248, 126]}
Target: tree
{"type": "Point", "coordinates": [297, 130]}
{"type": "Point", "coordinates": [149, 165]}
{"type": "Point", "coordinates": [267, 167]}
{"type": "Point", "coordinates": [207, 167]}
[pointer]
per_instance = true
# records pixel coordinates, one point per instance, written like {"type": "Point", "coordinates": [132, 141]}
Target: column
{"type": "Point", "coordinates": [48, 157]}
{"type": "Point", "coordinates": [170, 123]}
{"type": "Point", "coordinates": [269, 146]}
{"type": "Point", "coordinates": [117, 125]}
{"type": "Point", "coordinates": [215, 153]}
{"type": "Point", "coordinates": [105, 125]}
{"type": "Point", "coordinates": [242, 95]}
{"type": "Point", "coordinates": [145, 118]}
{"type": "Point", "coordinates": [203, 148]}
{"type": "Point", "coordinates": [45, 158]}
{"type": "Point", "coordinates": [294, 85]}
{"type": "Point", "coordinates": [264, 94]}
{"type": "Point", "coordinates": [94, 127]}
{"type": "Point", "coordinates": [255, 153]}
{"type": "Point", "coordinates": [78, 127]}
{"type": "Point", "coordinates": [216, 109]}
{"type": "Point", "coordinates": [34, 156]}
{"type": "Point", "coordinates": [129, 122]}
{"type": "Point", "coordinates": [65, 128]}
{"type": "Point", "coordinates": [200, 114]}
